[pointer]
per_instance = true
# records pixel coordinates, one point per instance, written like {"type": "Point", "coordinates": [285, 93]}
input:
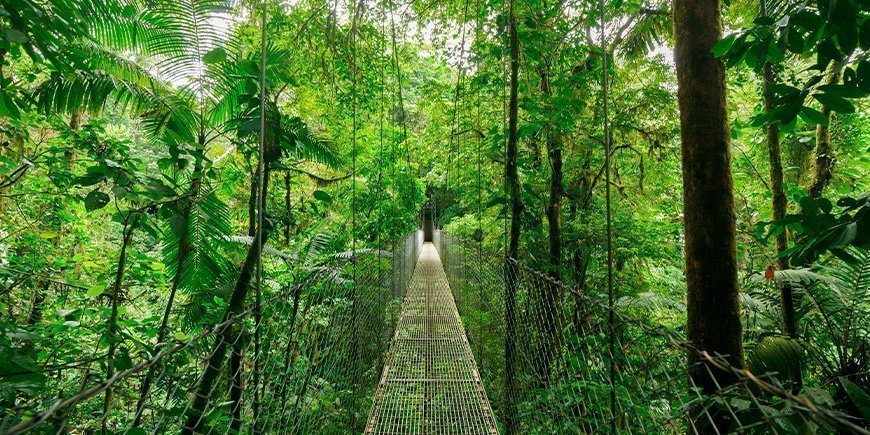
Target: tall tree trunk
{"type": "Point", "coordinates": [112, 338]}
{"type": "Point", "coordinates": [550, 294]}
{"type": "Point", "coordinates": [823, 163]}
{"type": "Point", "coordinates": [229, 335]}
{"type": "Point", "coordinates": [713, 303]}
{"type": "Point", "coordinates": [512, 180]}
{"type": "Point", "coordinates": [780, 202]}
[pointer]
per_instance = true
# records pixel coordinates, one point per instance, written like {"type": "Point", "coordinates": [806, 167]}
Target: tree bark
{"type": "Point", "coordinates": [713, 303]}
{"type": "Point", "coordinates": [823, 163]}
{"type": "Point", "coordinates": [38, 299]}
{"type": "Point", "coordinates": [512, 180]}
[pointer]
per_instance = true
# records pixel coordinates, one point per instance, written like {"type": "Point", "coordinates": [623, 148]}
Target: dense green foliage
{"type": "Point", "coordinates": [128, 164]}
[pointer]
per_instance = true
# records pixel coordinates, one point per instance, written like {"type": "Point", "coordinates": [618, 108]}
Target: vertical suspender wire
{"type": "Point", "coordinates": [380, 198]}
{"type": "Point", "coordinates": [402, 102]}
{"type": "Point", "coordinates": [456, 96]}
{"type": "Point", "coordinates": [607, 146]}
{"type": "Point", "coordinates": [261, 169]}
{"type": "Point", "coordinates": [354, 355]}
{"type": "Point", "coordinates": [477, 127]}
{"type": "Point", "coordinates": [504, 127]}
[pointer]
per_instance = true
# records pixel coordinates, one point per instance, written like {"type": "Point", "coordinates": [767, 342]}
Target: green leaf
{"type": "Point", "coordinates": [95, 291]}
{"type": "Point", "coordinates": [215, 56]}
{"type": "Point", "coordinates": [724, 45]}
{"type": "Point", "coordinates": [858, 396]}
{"type": "Point", "coordinates": [8, 108]}
{"type": "Point", "coordinates": [16, 36]}
{"type": "Point", "coordinates": [96, 200]}
{"type": "Point", "coordinates": [321, 195]}
{"type": "Point", "coordinates": [813, 116]}
{"type": "Point", "coordinates": [123, 361]}
{"type": "Point", "coordinates": [778, 355]}
{"type": "Point", "coordinates": [835, 103]}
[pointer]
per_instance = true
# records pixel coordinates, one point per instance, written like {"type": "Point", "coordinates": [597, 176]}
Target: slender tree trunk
{"type": "Point", "coordinates": [184, 249]}
{"type": "Point", "coordinates": [112, 325]}
{"type": "Point", "coordinates": [824, 156]}
{"type": "Point", "coordinates": [512, 180]}
{"type": "Point", "coordinates": [551, 297]}
{"type": "Point", "coordinates": [229, 335]}
{"type": "Point", "coordinates": [780, 202]}
{"type": "Point", "coordinates": [713, 303]}
{"type": "Point", "coordinates": [287, 207]}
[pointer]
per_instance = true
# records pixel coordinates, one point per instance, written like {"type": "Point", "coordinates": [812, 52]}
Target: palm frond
{"type": "Point", "coordinates": [206, 228]}
{"type": "Point", "coordinates": [301, 144]}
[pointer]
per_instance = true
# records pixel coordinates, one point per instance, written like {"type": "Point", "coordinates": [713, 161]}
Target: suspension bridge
{"type": "Point", "coordinates": [418, 341]}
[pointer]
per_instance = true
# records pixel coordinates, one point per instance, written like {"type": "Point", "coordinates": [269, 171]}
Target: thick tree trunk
{"type": "Point", "coordinates": [229, 335]}
{"type": "Point", "coordinates": [713, 303]}
{"type": "Point", "coordinates": [823, 162]}
{"type": "Point", "coordinates": [512, 180]}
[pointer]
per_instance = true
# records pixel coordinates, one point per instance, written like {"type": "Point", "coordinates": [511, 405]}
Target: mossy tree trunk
{"type": "Point", "coordinates": [713, 303]}
{"type": "Point", "coordinates": [823, 159]}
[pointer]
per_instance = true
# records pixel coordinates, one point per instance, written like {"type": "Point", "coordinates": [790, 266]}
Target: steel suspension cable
{"type": "Point", "coordinates": [609, 219]}
{"type": "Point", "coordinates": [478, 133]}
{"type": "Point", "coordinates": [353, 258]}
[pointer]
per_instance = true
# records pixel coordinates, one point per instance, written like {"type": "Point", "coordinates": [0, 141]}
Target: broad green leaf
{"type": "Point", "coordinates": [8, 108]}
{"type": "Point", "coordinates": [96, 200]}
{"type": "Point", "coordinates": [835, 103]}
{"type": "Point", "coordinates": [813, 116]}
{"type": "Point", "coordinates": [321, 195]}
{"type": "Point", "coordinates": [724, 45]}
{"type": "Point", "coordinates": [95, 290]}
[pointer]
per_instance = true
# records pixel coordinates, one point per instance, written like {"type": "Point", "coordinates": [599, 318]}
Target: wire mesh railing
{"type": "Point", "coordinates": [563, 376]}
{"type": "Point", "coordinates": [324, 338]}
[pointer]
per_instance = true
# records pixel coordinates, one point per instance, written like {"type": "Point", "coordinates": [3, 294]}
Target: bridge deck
{"type": "Point", "coordinates": [430, 382]}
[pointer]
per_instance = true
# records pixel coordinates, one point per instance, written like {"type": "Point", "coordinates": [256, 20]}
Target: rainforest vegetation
{"type": "Point", "coordinates": [164, 164]}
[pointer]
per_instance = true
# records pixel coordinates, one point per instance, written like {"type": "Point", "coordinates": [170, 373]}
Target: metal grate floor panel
{"type": "Point", "coordinates": [430, 382]}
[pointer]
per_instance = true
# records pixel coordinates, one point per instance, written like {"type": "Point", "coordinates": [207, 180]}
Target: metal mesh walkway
{"type": "Point", "coordinates": [430, 382]}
